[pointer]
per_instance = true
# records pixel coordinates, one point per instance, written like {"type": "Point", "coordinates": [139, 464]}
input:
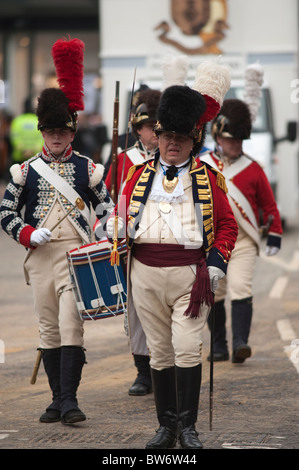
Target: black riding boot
{"type": "Point", "coordinates": [165, 399]}
{"type": "Point", "coordinates": [51, 360]}
{"type": "Point", "coordinates": [241, 323]}
{"type": "Point", "coordinates": [220, 344]}
{"type": "Point", "coordinates": [72, 361]}
{"type": "Point", "coordinates": [188, 389]}
{"type": "Point", "coordinates": [143, 382]}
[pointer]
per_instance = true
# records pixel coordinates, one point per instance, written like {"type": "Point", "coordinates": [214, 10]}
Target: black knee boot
{"type": "Point", "coordinates": [165, 399]}
{"type": "Point", "coordinates": [220, 344]}
{"type": "Point", "coordinates": [143, 382]}
{"type": "Point", "coordinates": [51, 360]}
{"type": "Point", "coordinates": [241, 323]}
{"type": "Point", "coordinates": [72, 361]}
{"type": "Point", "coordinates": [188, 389]}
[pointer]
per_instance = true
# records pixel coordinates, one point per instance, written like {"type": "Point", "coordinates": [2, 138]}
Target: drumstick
{"type": "Point", "coordinates": [79, 203]}
{"type": "Point", "coordinates": [36, 367]}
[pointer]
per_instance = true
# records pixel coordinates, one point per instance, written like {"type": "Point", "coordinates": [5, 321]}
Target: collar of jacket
{"type": "Point", "coordinates": [50, 157]}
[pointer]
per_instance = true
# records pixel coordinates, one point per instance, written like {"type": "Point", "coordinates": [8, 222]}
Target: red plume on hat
{"type": "Point", "coordinates": [68, 56]}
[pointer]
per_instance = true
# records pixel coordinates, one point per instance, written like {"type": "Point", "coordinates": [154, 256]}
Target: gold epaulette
{"type": "Point", "coordinates": [220, 179]}
{"type": "Point", "coordinates": [132, 170]}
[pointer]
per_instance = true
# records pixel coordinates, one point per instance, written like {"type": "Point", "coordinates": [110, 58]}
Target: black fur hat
{"type": "Point", "coordinates": [145, 109]}
{"type": "Point", "coordinates": [233, 120]}
{"type": "Point", "coordinates": [179, 112]}
{"type": "Point", "coordinates": [53, 110]}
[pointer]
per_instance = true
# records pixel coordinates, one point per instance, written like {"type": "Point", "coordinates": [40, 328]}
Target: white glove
{"type": "Point", "coordinates": [271, 250]}
{"type": "Point", "coordinates": [110, 226]}
{"type": "Point", "coordinates": [215, 274]}
{"type": "Point", "coordinates": [40, 236]}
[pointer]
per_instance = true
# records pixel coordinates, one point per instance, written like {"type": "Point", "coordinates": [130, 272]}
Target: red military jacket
{"type": "Point", "coordinates": [134, 155]}
{"type": "Point", "coordinates": [209, 194]}
{"type": "Point", "coordinates": [251, 193]}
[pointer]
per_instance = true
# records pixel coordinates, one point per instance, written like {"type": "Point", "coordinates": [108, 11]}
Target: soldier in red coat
{"type": "Point", "coordinates": [250, 196]}
{"type": "Point", "coordinates": [143, 122]}
{"type": "Point", "coordinates": [180, 234]}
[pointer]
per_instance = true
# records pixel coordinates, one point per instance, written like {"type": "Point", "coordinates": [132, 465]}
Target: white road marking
{"type": "Point", "coordinates": [278, 287]}
{"type": "Point", "coordinates": [292, 351]}
{"type": "Point", "coordinates": [228, 445]}
{"type": "Point", "coordinates": [287, 333]}
{"type": "Point", "coordinates": [289, 267]}
{"type": "Point", "coordinates": [4, 436]}
{"type": "Point", "coordinates": [285, 330]}
{"type": "Point", "coordinates": [9, 430]}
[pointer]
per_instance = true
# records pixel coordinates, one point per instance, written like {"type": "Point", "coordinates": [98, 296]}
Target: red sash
{"type": "Point", "coordinates": [165, 255]}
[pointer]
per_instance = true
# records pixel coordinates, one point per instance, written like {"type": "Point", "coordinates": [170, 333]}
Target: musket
{"type": "Point", "coordinates": [128, 126]}
{"type": "Point", "coordinates": [114, 149]}
{"type": "Point", "coordinates": [114, 259]}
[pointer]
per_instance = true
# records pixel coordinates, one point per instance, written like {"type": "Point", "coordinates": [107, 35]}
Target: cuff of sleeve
{"type": "Point", "coordinates": [25, 235]}
{"type": "Point", "coordinates": [274, 240]}
{"type": "Point", "coordinates": [217, 259]}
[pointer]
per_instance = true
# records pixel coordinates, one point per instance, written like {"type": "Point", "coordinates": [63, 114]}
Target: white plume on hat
{"type": "Point", "coordinates": [212, 79]}
{"type": "Point", "coordinates": [174, 70]}
{"type": "Point", "coordinates": [254, 77]}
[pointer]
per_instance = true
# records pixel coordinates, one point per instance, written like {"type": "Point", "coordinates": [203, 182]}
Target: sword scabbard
{"type": "Point", "coordinates": [36, 367]}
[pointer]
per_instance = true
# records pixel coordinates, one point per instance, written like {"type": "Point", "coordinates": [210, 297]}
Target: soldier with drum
{"type": "Point", "coordinates": [56, 188]}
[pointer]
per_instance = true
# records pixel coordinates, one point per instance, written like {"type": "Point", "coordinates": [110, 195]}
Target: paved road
{"type": "Point", "coordinates": [255, 404]}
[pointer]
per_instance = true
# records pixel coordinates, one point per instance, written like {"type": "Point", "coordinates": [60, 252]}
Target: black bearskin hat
{"type": "Point", "coordinates": [145, 109]}
{"type": "Point", "coordinates": [233, 120]}
{"type": "Point", "coordinates": [53, 110]}
{"type": "Point", "coordinates": [179, 112]}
